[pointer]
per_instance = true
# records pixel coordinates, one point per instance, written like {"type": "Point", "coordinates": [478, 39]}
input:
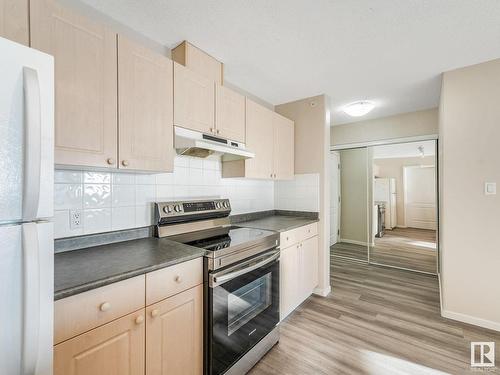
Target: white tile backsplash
{"type": "Point", "coordinates": [113, 201]}
{"type": "Point", "coordinates": [299, 194]}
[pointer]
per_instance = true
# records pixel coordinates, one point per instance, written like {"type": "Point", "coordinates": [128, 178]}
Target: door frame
{"type": "Point", "coordinates": [338, 197]}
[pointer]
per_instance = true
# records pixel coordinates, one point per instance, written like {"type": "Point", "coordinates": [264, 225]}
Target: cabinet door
{"type": "Point", "coordinates": [289, 280]}
{"type": "Point", "coordinates": [85, 83]}
{"type": "Point", "coordinates": [229, 114]}
{"type": "Point", "coordinates": [174, 331]}
{"type": "Point", "coordinates": [309, 266]}
{"type": "Point", "coordinates": [115, 348]}
{"type": "Point", "coordinates": [14, 21]}
{"type": "Point", "coordinates": [145, 106]}
{"type": "Point", "coordinates": [194, 100]}
{"type": "Point", "coordinates": [259, 139]}
{"type": "Point", "coordinates": [284, 145]}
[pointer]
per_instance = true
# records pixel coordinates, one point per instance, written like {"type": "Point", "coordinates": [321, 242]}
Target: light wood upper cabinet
{"type": "Point", "coordinates": [284, 145]}
{"type": "Point", "coordinates": [198, 61]}
{"type": "Point", "coordinates": [174, 331]}
{"type": "Point", "coordinates": [85, 83]}
{"type": "Point", "coordinates": [14, 20]}
{"type": "Point", "coordinates": [112, 349]}
{"type": "Point", "coordinates": [229, 114]}
{"type": "Point", "coordinates": [194, 100]}
{"type": "Point", "coordinates": [270, 137]}
{"type": "Point", "coordinates": [145, 106]}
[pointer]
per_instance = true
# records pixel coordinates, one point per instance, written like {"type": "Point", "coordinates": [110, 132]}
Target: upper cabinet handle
{"type": "Point", "coordinates": [110, 161]}
{"type": "Point", "coordinates": [33, 145]}
{"type": "Point", "coordinates": [125, 163]}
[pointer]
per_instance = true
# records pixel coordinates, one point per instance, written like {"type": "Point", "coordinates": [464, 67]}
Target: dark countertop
{"type": "Point", "coordinates": [278, 223]}
{"type": "Point", "coordinates": [85, 269]}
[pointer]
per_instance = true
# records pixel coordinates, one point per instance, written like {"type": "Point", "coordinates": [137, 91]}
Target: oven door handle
{"type": "Point", "coordinates": [219, 278]}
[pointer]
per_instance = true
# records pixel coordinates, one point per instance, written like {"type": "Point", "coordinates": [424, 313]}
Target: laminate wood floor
{"type": "Point", "coordinates": [407, 248]}
{"type": "Point", "coordinates": [350, 250]}
{"type": "Point", "coordinates": [377, 320]}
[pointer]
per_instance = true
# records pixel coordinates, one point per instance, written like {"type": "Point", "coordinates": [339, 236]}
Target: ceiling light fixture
{"type": "Point", "coordinates": [359, 108]}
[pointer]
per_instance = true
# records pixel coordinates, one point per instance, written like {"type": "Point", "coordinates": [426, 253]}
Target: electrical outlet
{"type": "Point", "coordinates": [75, 219]}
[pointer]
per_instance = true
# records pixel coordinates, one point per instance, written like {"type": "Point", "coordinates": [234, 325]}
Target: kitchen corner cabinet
{"type": "Point", "coordinates": [271, 137]}
{"type": "Point", "coordinates": [198, 61]}
{"type": "Point", "coordinates": [114, 348]}
{"type": "Point", "coordinates": [85, 83]}
{"type": "Point", "coordinates": [174, 332]}
{"type": "Point", "coordinates": [229, 114]}
{"type": "Point", "coordinates": [298, 267]}
{"type": "Point", "coordinates": [194, 98]}
{"type": "Point", "coordinates": [284, 147]}
{"type": "Point", "coordinates": [145, 108]}
{"type": "Point", "coordinates": [14, 20]}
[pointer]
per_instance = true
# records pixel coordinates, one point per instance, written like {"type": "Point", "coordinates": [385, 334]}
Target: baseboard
{"type": "Point", "coordinates": [401, 226]}
{"type": "Point", "coordinates": [471, 320]}
{"type": "Point", "coordinates": [440, 293]}
{"type": "Point", "coordinates": [353, 242]}
{"type": "Point", "coordinates": [323, 292]}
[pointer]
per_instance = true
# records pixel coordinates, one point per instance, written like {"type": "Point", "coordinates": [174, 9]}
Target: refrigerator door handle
{"type": "Point", "coordinates": [32, 143]}
{"type": "Point", "coordinates": [31, 299]}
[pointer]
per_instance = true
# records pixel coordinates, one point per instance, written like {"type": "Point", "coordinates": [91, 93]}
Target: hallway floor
{"type": "Point", "coordinates": [377, 320]}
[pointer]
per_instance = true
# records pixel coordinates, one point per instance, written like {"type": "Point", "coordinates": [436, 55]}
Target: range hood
{"type": "Point", "coordinates": [193, 143]}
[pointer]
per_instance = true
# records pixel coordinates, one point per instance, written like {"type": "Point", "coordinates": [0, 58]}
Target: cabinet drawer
{"type": "Point", "coordinates": [84, 311]}
{"type": "Point", "coordinates": [172, 280]}
{"type": "Point", "coordinates": [293, 236]}
{"type": "Point", "coordinates": [307, 231]}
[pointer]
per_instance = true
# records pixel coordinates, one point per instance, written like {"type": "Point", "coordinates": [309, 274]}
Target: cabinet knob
{"type": "Point", "coordinates": [211, 130]}
{"type": "Point", "coordinates": [287, 239]}
{"type": "Point", "coordinates": [178, 279]}
{"type": "Point", "coordinates": [125, 163]}
{"type": "Point", "coordinates": [110, 161]}
{"type": "Point", "coordinates": [275, 175]}
{"type": "Point", "coordinates": [105, 306]}
{"type": "Point", "coordinates": [271, 175]}
{"type": "Point", "coordinates": [218, 131]}
{"type": "Point", "coordinates": [139, 319]}
{"type": "Point", "coordinates": [155, 312]}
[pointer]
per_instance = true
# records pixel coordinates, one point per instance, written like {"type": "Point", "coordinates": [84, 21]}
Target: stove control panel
{"type": "Point", "coordinates": [174, 211]}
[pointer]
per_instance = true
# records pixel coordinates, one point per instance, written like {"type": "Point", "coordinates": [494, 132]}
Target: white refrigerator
{"type": "Point", "coordinates": [26, 210]}
{"type": "Point", "coordinates": [384, 190]}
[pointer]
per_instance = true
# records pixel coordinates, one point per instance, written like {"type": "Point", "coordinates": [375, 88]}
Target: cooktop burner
{"type": "Point", "coordinates": [233, 237]}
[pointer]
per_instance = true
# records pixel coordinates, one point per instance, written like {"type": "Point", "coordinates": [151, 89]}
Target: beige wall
{"type": "Point", "coordinates": [354, 182]}
{"type": "Point", "coordinates": [312, 145]}
{"type": "Point", "coordinates": [469, 133]}
{"type": "Point", "coordinates": [393, 168]}
{"type": "Point", "coordinates": [411, 124]}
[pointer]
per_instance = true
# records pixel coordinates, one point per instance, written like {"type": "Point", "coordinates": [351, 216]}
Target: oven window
{"type": "Point", "coordinates": [248, 301]}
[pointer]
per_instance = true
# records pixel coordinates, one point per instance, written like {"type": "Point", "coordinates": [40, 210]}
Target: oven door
{"type": "Point", "coordinates": [243, 307]}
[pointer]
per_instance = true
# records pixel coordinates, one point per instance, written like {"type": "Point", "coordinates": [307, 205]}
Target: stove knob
{"type": "Point", "coordinates": [226, 204]}
{"type": "Point", "coordinates": [217, 205]}
{"type": "Point", "coordinates": [166, 209]}
{"type": "Point", "coordinates": [177, 208]}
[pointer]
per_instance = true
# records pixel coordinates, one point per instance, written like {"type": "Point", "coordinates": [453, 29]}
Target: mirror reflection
{"type": "Point", "coordinates": [404, 206]}
{"type": "Point", "coordinates": [349, 208]}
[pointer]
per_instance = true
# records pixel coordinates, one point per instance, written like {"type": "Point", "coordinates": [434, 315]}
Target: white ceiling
{"type": "Point", "coordinates": [404, 150]}
{"type": "Point", "coordinates": [388, 51]}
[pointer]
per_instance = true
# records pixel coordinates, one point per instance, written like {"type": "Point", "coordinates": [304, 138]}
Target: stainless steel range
{"type": "Point", "coordinates": [241, 281]}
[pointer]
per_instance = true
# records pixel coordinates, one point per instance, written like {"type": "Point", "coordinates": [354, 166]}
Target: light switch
{"type": "Point", "coordinates": [490, 188]}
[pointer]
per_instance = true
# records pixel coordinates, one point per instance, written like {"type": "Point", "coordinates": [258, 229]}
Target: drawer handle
{"type": "Point", "coordinates": [287, 239]}
{"type": "Point", "coordinates": [178, 279]}
{"type": "Point", "coordinates": [139, 319]}
{"type": "Point", "coordinates": [308, 231]}
{"type": "Point", "coordinates": [155, 312]}
{"type": "Point", "coordinates": [105, 306]}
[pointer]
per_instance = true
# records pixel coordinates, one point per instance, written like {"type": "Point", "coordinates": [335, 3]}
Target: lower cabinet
{"type": "Point", "coordinates": [174, 332]}
{"type": "Point", "coordinates": [115, 348]}
{"type": "Point", "coordinates": [298, 273]}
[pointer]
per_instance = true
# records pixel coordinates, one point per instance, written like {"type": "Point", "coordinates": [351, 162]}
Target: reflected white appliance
{"type": "Point", "coordinates": [384, 190]}
{"type": "Point", "coordinates": [26, 209]}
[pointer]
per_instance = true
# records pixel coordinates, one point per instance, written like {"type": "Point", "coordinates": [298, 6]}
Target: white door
{"type": "Point", "coordinates": [27, 295]}
{"type": "Point", "coordinates": [420, 197]}
{"type": "Point", "coordinates": [334, 197]}
{"type": "Point", "coordinates": [26, 133]}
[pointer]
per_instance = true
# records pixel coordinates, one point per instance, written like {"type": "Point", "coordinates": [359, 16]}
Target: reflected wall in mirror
{"type": "Point", "coordinates": [350, 194]}
{"type": "Point", "coordinates": [404, 206]}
